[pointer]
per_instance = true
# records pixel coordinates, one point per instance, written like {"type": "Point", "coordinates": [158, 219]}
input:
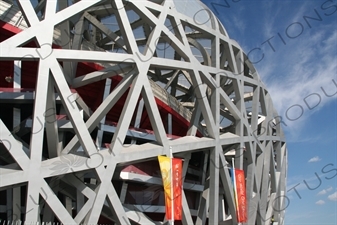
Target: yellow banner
{"type": "Point", "coordinates": [171, 172]}
{"type": "Point", "coordinates": [165, 169]}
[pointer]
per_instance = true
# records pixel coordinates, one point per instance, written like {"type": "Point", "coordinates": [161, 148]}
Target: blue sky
{"type": "Point", "coordinates": [298, 43]}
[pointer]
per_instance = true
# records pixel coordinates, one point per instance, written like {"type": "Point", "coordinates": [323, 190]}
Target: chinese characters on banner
{"type": "Point", "coordinates": [240, 192]}
{"type": "Point", "coordinates": [171, 172]}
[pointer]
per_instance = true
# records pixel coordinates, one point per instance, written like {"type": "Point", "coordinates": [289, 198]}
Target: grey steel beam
{"type": "Point", "coordinates": [113, 37]}
{"type": "Point", "coordinates": [207, 87]}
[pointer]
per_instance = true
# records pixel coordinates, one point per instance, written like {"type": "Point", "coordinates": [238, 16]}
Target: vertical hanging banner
{"type": "Point", "coordinates": [177, 167]}
{"type": "Point", "coordinates": [165, 169]}
{"type": "Point", "coordinates": [171, 172]}
{"type": "Point", "coordinates": [241, 200]}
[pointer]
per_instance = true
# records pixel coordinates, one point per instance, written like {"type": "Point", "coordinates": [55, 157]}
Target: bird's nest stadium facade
{"type": "Point", "coordinates": [92, 91]}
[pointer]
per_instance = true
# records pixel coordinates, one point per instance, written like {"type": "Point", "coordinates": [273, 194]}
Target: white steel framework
{"type": "Point", "coordinates": [62, 156]}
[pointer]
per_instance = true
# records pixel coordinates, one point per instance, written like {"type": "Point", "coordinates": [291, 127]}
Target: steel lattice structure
{"type": "Point", "coordinates": [93, 91]}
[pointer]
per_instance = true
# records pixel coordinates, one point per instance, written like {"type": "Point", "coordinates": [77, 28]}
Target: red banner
{"type": "Point", "coordinates": [177, 187]}
{"type": "Point", "coordinates": [241, 196]}
{"type": "Point", "coordinates": [171, 171]}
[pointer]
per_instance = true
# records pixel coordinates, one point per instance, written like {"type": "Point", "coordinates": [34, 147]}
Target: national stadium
{"type": "Point", "coordinates": [93, 91]}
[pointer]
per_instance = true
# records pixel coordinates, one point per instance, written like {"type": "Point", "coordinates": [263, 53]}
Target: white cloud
{"type": "Point", "coordinates": [320, 202]}
{"type": "Point", "coordinates": [314, 159]}
{"type": "Point", "coordinates": [306, 69]}
{"type": "Point", "coordinates": [300, 185]}
{"type": "Point", "coordinates": [322, 192]}
{"type": "Point", "coordinates": [329, 189]}
{"type": "Point", "coordinates": [240, 24]}
{"type": "Point", "coordinates": [333, 197]}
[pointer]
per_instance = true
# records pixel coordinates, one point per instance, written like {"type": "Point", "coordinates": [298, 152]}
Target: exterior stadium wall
{"type": "Point", "coordinates": [91, 92]}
